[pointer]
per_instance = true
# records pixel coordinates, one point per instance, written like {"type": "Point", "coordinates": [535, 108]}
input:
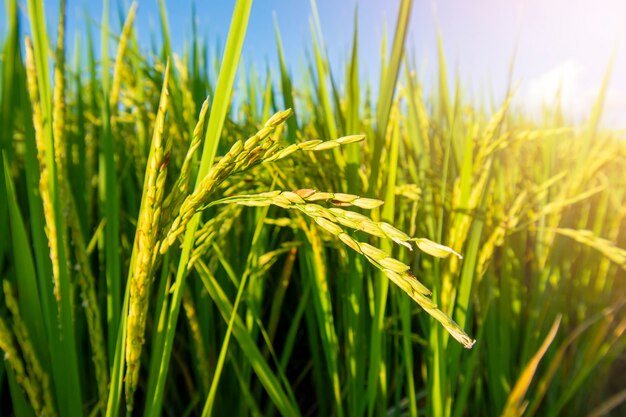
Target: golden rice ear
{"type": "Point", "coordinates": [332, 219]}
{"type": "Point", "coordinates": [146, 244]}
{"type": "Point", "coordinates": [435, 249]}
{"type": "Point", "coordinates": [24, 361]}
{"type": "Point", "coordinates": [44, 169]}
{"type": "Point", "coordinates": [242, 156]}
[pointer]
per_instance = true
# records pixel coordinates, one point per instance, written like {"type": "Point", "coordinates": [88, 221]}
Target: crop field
{"type": "Point", "coordinates": [183, 235]}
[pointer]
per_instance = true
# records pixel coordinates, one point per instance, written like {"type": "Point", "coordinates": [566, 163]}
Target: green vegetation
{"type": "Point", "coordinates": [126, 194]}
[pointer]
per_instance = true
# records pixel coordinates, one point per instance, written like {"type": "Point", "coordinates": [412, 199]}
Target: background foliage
{"type": "Point", "coordinates": [111, 181]}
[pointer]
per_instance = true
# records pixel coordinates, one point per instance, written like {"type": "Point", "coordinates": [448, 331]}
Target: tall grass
{"type": "Point", "coordinates": [127, 197]}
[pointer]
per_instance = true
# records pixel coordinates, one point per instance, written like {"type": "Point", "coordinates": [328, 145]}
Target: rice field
{"type": "Point", "coordinates": [309, 249]}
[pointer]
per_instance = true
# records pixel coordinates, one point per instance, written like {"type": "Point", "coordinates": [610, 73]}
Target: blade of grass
{"type": "Point", "coordinates": [25, 277]}
{"type": "Point", "coordinates": [253, 354]}
{"type": "Point", "coordinates": [515, 405]}
{"type": "Point", "coordinates": [64, 359]}
{"type": "Point", "coordinates": [377, 368]}
{"type": "Point", "coordinates": [312, 263]}
{"type": "Point", "coordinates": [208, 406]}
{"type": "Point", "coordinates": [387, 91]}
{"type": "Point", "coordinates": [108, 197]}
{"type": "Point", "coordinates": [285, 81]}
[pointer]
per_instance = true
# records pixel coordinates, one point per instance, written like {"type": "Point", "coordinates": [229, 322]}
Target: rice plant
{"type": "Point", "coordinates": [133, 185]}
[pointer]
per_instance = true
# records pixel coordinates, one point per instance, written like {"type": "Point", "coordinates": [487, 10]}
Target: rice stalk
{"type": "Point", "coordinates": [146, 239]}
{"type": "Point", "coordinates": [44, 176]}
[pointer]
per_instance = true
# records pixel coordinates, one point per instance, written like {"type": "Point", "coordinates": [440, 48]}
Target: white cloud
{"type": "Point", "coordinates": [562, 83]}
{"type": "Point", "coordinates": [568, 84]}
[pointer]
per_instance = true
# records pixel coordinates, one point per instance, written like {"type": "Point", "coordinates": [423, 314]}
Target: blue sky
{"type": "Point", "coordinates": [560, 43]}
